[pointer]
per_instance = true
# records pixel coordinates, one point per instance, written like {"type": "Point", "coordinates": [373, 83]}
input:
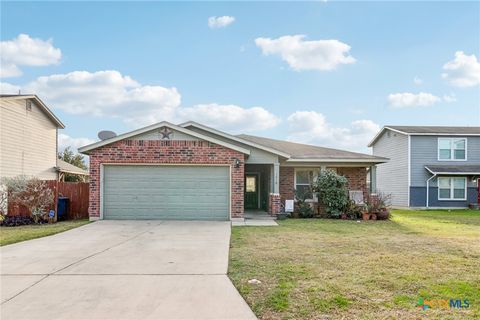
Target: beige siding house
{"type": "Point", "coordinates": [28, 137]}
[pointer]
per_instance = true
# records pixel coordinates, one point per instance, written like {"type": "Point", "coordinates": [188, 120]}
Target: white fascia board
{"type": "Point", "coordinates": [98, 144]}
{"type": "Point", "coordinates": [323, 160]}
{"type": "Point", "coordinates": [453, 173]}
{"type": "Point", "coordinates": [446, 134]}
{"type": "Point", "coordinates": [237, 139]}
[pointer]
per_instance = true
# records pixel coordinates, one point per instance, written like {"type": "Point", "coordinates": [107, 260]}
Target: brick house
{"type": "Point", "coordinates": [194, 172]}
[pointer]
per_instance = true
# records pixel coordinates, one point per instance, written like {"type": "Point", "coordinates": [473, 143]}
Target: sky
{"type": "Point", "coordinates": [325, 73]}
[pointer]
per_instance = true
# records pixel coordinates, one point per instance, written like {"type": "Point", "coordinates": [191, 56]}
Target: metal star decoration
{"type": "Point", "coordinates": [165, 132]}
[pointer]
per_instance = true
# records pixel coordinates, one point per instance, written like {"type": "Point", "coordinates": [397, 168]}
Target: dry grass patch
{"type": "Point", "coordinates": [334, 269]}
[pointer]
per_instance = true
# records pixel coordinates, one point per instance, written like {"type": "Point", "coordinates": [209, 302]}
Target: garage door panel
{"type": "Point", "coordinates": [166, 192]}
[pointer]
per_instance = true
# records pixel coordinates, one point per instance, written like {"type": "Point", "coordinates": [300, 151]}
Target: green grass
{"type": "Point", "coordinates": [9, 235]}
{"type": "Point", "coordinates": [335, 269]}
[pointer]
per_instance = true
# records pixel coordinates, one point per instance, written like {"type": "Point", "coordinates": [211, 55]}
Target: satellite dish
{"type": "Point", "coordinates": [105, 134]}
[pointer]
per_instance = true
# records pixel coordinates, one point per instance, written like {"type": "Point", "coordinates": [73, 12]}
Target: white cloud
{"type": "Point", "coordinates": [307, 55]}
{"type": "Point", "coordinates": [417, 81]}
{"type": "Point", "coordinates": [7, 88]}
{"type": "Point", "coordinates": [111, 94]}
{"type": "Point", "coordinates": [26, 51]}
{"type": "Point", "coordinates": [220, 22]}
{"type": "Point", "coordinates": [107, 93]}
{"type": "Point", "coordinates": [463, 71]}
{"type": "Point", "coordinates": [312, 127]}
{"type": "Point", "coordinates": [407, 99]}
{"type": "Point", "coordinates": [449, 98]}
{"type": "Point", "coordinates": [65, 141]}
{"type": "Point", "coordinates": [9, 70]}
{"type": "Point", "coordinates": [230, 117]}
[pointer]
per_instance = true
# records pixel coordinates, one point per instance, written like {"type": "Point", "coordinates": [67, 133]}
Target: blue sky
{"type": "Point", "coordinates": [359, 66]}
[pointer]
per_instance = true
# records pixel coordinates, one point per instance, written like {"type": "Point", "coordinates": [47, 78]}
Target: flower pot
{"type": "Point", "coordinates": [373, 216]}
{"type": "Point", "coordinates": [383, 214]}
{"type": "Point", "coordinates": [366, 216]}
{"type": "Point", "coordinates": [281, 216]}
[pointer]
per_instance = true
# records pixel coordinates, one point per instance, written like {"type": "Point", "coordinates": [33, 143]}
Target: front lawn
{"type": "Point", "coordinates": [9, 235]}
{"type": "Point", "coordinates": [334, 269]}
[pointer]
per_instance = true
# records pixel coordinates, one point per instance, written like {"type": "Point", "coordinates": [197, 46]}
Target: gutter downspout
{"type": "Point", "coordinates": [428, 189]}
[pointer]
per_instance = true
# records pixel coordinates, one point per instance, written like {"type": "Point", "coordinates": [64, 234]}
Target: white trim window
{"type": "Point", "coordinates": [452, 149]}
{"type": "Point", "coordinates": [304, 178]}
{"type": "Point", "coordinates": [452, 188]}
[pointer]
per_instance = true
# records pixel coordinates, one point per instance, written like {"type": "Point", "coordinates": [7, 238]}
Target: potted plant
{"type": "Point", "coordinates": [366, 214]}
{"type": "Point", "coordinates": [378, 206]}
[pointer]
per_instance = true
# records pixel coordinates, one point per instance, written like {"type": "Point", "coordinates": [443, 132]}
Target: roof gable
{"type": "Point", "coordinates": [428, 130]}
{"type": "Point", "coordinates": [86, 149]}
{"type": "Point", "coordinates": [42, 106]}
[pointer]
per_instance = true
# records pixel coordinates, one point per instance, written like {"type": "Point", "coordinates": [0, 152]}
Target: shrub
{"type": "Point", "coordinates": [353, 210]}
{"type": "Point", "coordinates": [14, 221]}
{"type": "Point", "coordinates": [332, 191]}
{"type": "Point", "coordinates": [303, 208]}
{"type": "Point", "coordinates": [32, 193]}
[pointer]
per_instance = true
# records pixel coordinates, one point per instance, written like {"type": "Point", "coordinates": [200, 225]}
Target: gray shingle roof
{"type": "Point", "coordinates": [306, 151]}
{"type": "Point", "coordinates": [456, 169]}
{"type": "Point", "coordinates": [436, 129]}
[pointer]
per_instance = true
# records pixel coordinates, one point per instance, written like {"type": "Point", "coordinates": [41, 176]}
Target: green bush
{"type": "Point", "coordinates": [303, 208]}
{"type": "Point", "coordinates": [332, 192]}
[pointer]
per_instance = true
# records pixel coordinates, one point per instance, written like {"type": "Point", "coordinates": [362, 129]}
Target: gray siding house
{"type": "Point", "coordinates": [436, 167]}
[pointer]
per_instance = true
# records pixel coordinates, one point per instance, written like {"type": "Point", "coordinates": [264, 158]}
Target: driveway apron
{"type": "Point", "coordinates": [122, 270]}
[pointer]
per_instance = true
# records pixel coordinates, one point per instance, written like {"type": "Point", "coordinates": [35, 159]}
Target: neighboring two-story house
{"type": "Point", "coordinates": [28, 138]}
{"type": "Point", "coordinates": [436, 167]}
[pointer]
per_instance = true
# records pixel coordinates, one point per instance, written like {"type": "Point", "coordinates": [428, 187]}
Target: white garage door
{"type": "Point", "coordinates": [166, 192]}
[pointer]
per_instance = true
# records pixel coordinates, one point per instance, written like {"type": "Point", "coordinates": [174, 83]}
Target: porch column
{"type": "Point", "coordinates": [276, 178]}
{"type": "Point", "coordinates": [274, 196]}
{"type": "Point", "coordinates": [373, 179]}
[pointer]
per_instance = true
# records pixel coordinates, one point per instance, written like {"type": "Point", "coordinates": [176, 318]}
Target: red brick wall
{"type": "Point", "coordinates": [165, 152]}
{"type": "Point", "coordinates": [287, 181]}
{"type": "Point", "coordinates": [357, 180]}
{"type": "Point", "coordinates": [273, 203]}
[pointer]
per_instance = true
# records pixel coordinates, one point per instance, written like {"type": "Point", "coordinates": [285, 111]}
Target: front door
{"type": "Point", "coordinates": [251, 191]}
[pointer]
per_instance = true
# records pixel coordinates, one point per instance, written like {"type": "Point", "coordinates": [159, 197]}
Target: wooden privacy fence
{"type": "Point", "coordinates": [77, 192]}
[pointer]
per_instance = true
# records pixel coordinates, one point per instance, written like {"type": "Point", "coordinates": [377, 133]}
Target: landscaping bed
{"type": "Point", "coordinates": [341, 269]}
{"type": "Point", "coordinates": [9, 235]}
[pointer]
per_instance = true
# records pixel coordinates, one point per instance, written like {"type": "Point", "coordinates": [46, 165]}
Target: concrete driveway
{"type": "Point", "coordinates": [123, 270]}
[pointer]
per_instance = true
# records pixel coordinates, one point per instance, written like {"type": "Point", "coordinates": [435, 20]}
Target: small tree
{"type": "Point", "coordinates": [332, 191]}
{"type": "Point", "coordinates": [32, 193]}
{"type": "Point", "coordinates": [75, 159]}
{"type": "Point", "coordinates": [3, 201]}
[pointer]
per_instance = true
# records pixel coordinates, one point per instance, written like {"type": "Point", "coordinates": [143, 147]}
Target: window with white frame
{"type": "Point", "coordinates": [452, 188]}
{"type": "Point", "coordinates": [452, 149]}
{"type": "Point", "coordinates": [304, 179]}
